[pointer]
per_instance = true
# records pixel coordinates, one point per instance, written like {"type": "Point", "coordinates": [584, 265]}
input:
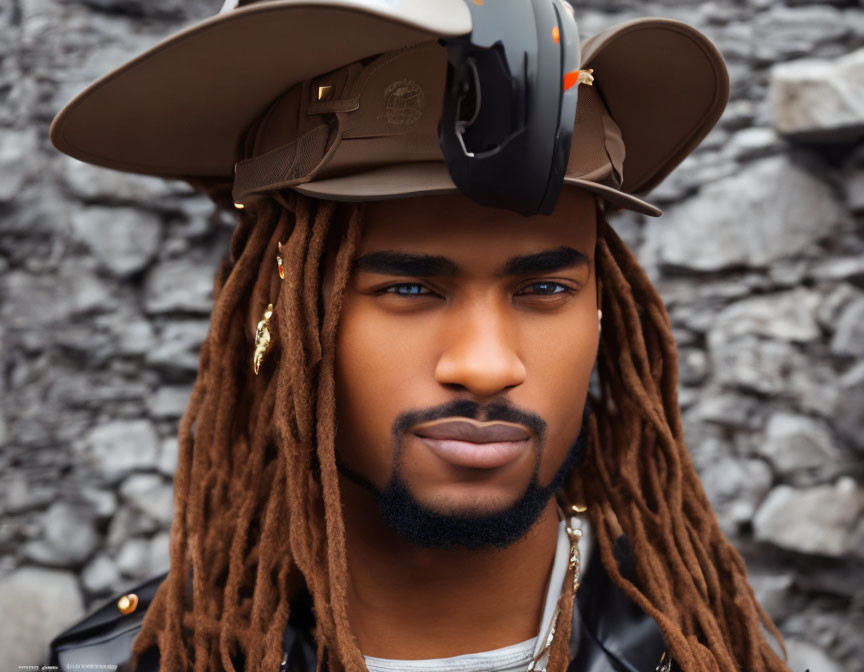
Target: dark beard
{"type": "Point", "coordinates": [428, 528]}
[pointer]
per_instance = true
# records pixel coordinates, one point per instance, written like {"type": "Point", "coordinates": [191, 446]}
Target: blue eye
{"type": "Point", "coordinates": [410, 289]}
{"type": "Point", "coordinates": [546, 288]}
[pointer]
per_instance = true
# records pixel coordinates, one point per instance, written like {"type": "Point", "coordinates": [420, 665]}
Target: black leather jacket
{"type": "Point", "coordinates": [611, 633]}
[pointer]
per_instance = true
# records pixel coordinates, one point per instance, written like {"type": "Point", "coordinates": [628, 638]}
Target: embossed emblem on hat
{"type": "Point", "coordinates": [403, 102]}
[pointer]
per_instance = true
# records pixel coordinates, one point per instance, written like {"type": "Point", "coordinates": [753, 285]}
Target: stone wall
{"type": "Point", "coordinates": [105, 284]}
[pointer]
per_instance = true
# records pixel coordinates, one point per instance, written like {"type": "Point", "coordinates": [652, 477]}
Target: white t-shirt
{"type": "Point", "coordinates": [516, 657]}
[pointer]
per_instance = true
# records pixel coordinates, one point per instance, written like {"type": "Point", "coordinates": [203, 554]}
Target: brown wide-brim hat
{"type": "Point", "coordinates": [340, 99]}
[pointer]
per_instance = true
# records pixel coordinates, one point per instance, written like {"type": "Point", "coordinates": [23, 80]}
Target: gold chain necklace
{"type": "Point", "coordinates": [573, 568]}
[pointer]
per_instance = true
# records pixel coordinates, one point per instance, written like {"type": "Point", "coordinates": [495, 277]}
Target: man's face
{"type": "Point", "coordinates": [464, 350]}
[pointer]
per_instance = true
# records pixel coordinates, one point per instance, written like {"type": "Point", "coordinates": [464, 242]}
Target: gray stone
{"type": "Point", "coordinates": [169, 401]}
{"type": "Point", "coordinates": [735, 488]}
{"type": "Point", "coordinates": [68, 536]}
{"type": "Point", "coordinates": [124, 240]}
{"type": "Point", "coordinates": [151, 495]}
{"type": "Point", "coordinates": [18, 496]}
{"type": "Point", "coordinates": [788, 316]}
{"type": "Point", "coordinates": [103, 502]}
{"type": "Point", "coordinates": [783, 33]}
{"type": "Point", "coordinates": [821, 100]}
{"type": "Point", "coordinates": [751, 143]}
{"type": "Point", "coordinates": [849, 335]}
{"type": "Point", "coordinates": [818, 521]}
{"type": "Point", "coordinates": [839, 268]}
{"type": "Point", "coordinates": [179, 285]}
{"type": "Point", "coordinates": [127, 523]}
{"type": "Point", "coordinates": [846, 414]}
{"type": "Point", "coordinates": [832, 304]}
{"type": "Point", "coordinates": [805, 656]}
{"type": "Point", "coordinates": [120, 446]}
{"type": "Point", "coordinates": [772, 591]}
{"type": "Point", "coordinates": [855, 191]}
{"type": "Point", "coordinates": [18, 160]}
{"type": "Point", "coordinates": [728, 409]}
{"type": "Point", "coordinates": [133, 559]}
{"type": "Point", "coordinates": [100, 575]}
{"type": "Point", "coordinates": [157, 8]}
{"type": "Point", "coordinates": [35, 604]}
{"type": "Point", "coordinates": [91, 183]}
{"type": "Point", "coordinates": [178, 346]}
{"type": "Point", "coordinates": [144, 558]}
{"type": "Point", "coordinates": [751, 363]}
{"type": "Point", "coordinates": [168, 453]}
{"type": "Point", "coordinates": [798, 446]}
{"type": "Point", "coordinates": [135, 337]}
{"type": "Point", "coordinates": [770, 210]}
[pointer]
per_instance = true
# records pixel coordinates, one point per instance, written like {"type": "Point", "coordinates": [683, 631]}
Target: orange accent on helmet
{"type": "Point", "coordinates": [571, 78]}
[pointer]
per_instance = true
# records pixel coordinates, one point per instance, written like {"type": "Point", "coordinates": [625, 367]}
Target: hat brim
{"type": "Point", "coordinates": [432, 178]}
{"type": "Point", "coordinates": [180, 109]}
{"type": "Point", "coordinates": [665, 85]}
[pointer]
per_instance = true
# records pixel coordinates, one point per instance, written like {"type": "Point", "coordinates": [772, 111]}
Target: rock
{"type": "Point", "coordinates": [128, 523]}
{"type": "Point", "coordinates": [90, 183]}
{"type": "Point", "coordinates": [103, 502]}
{"type": "Point", "coordinates": [772, 591]}
{"type": "Point", "coordinates": [804, 656]}
{"type": "Point", "coordinates": [124, 240]}
{"type": "Point", "coordinates": [18, 160]}
{"type": "Point", "coordinates": [35, 605]}
{"type": "Point", "coordinates": [735, 488]}
{"type": "Point", "coordinates": [839, 268]}
{"type": "Point", "coordinates": [768, 210]}
{"type": "Point", "coordinates": [855, 191]}
{"type": "Point", "coordinates": [783, 33]}
{"type": "Point", "coordinates": [820, 100]}
{"type": "Point", "coordinates": [68, 536]}
{"type": "Point", "coordinates": [751, 143]}
{"type": "Point", "coordinates": [788, 316]}
{"type": "Point", "coordinates": [818, 521]}
{"type": "Point", "coordinates": [169, 401]}
{"type": "Point", "coordinates": [846, 414]}
{"type": "Point", "coordinates": [148, 8]}
{"type": "Point", "coordinates": [849, 334]}
{"type": "Point", "coordinates": [134, 558]}
{"type": "Point", "coordinates": [799, 447]}
{"type": "Point", "coordinates": [100, 575]}
{"type": "Point", "coordinates": [151, 495]}
{"type": "Point", "coordinates": [728, 409]}
{"type": "Point", "coordinates": [179, 345]}
{"type": "Point", "coordinates": [168, 453]}
{"type": "Point", "coordinates": [179, 285]}
{"type": "Point", "coordinates": [120, 446]}
{"type": "Point", "coordinates": [144, 558]}
{"type": "Point", "coordinates": [751, 363]}
{"type": "Point", "coordinates": [134, 337]}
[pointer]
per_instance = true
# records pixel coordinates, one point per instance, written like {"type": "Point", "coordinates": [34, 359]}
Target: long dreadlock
{"type": "Point", "coordinates": [257, 506]}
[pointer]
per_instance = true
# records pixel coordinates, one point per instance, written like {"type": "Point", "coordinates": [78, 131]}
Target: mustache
{"type": "Point", "coordinates": [500, 410]}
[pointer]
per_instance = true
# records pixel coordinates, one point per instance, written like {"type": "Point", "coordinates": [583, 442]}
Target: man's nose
{"type": "Point", "coordinates": [480, 354]}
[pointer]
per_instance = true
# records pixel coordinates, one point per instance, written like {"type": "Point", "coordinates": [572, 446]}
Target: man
{"type": "Point", "coordinates": [389, 459]}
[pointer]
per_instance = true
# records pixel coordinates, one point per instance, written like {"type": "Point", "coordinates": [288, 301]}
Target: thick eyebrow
{"type": "Point", "coordinates": [391, 262]}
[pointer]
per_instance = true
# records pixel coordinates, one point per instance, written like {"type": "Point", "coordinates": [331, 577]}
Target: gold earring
{"type": "Point", "coordinates": [262, 333]}
{"type": "Point", "coordinates": [262, 339]}
{"type": "Point", "coordinates": [599, 320]}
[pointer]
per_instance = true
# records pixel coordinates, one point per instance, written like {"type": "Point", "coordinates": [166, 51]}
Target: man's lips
{"type": "Point", "coordinates": [467, 443]}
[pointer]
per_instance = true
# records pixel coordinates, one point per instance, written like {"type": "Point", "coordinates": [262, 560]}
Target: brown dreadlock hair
{"type": "Point", "coordinates": [257, 505]}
